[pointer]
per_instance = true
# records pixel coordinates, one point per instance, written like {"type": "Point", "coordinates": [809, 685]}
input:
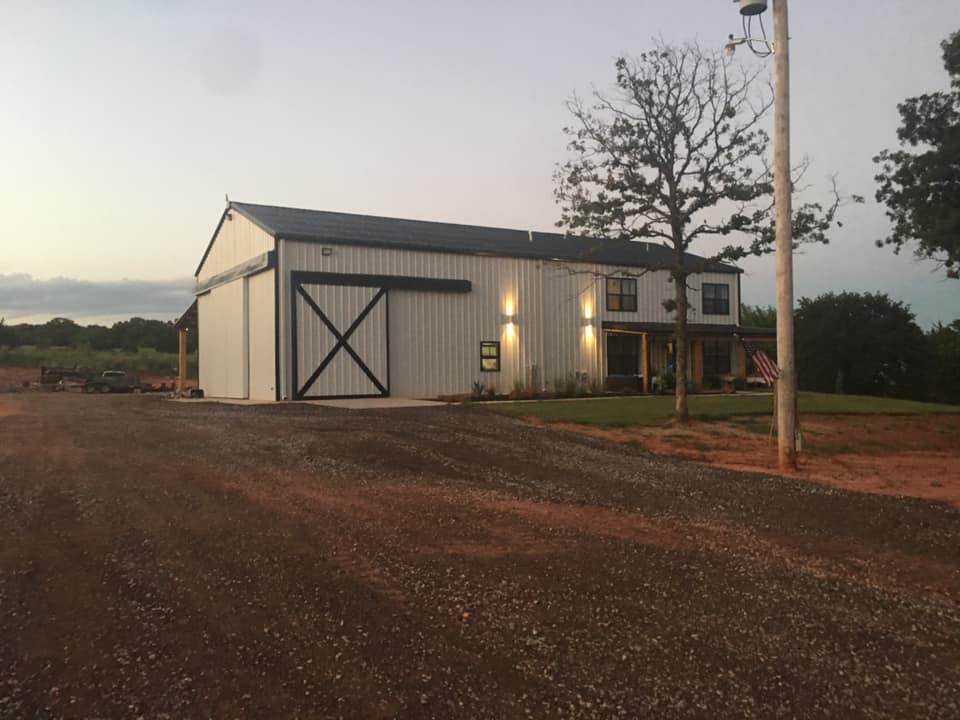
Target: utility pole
{"type": "Point", "coordinates": [782, 192]}
{"type": "Point", "coordinates": [779, 47]}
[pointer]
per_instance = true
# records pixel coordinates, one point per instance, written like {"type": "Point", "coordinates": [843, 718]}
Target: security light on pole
{"type": "Point", "coordinates": [783, 202]}
{"type": "Point", "coordinates": [752, 7]}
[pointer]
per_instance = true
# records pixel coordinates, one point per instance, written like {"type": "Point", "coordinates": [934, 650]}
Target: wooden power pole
{"type": "Point", "coordinates": [783, 191]}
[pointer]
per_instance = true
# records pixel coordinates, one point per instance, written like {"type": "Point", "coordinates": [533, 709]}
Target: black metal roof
{"type": "Point", "coordinates": [334, 227]}
{"type": "Point", "coordinates": [188, 320]}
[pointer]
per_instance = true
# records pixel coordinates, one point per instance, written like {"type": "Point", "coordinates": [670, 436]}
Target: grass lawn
{"type": "Point", "coordinates": [653, 410]}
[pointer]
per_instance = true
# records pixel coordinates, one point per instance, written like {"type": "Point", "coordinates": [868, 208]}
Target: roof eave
{"type": "Point", "coordinates": [223, 216]}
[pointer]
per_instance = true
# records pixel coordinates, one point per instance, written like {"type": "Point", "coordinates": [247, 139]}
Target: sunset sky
{"type": "Point", "coordinates": [124, 124]}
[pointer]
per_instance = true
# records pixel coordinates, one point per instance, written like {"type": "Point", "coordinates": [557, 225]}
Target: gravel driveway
{"type": "Point", "coordinates": [171, 560]}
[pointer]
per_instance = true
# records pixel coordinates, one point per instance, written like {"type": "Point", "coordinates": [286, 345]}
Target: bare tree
{"type": "Point", "coordinates": [677, 153]}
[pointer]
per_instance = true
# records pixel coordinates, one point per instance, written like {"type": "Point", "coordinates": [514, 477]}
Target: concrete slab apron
{"type": "Point", "coordinates": [378, 403]}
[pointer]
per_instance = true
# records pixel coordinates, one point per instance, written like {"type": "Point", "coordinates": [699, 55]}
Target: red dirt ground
{"type": "Point", "coordinates": [915, 456]}
{"type": "Point", "coordinates": [174, 560]}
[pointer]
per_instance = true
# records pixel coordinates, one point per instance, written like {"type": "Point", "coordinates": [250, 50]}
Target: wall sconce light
{"type": "Point", "coordinates": [508, 318]}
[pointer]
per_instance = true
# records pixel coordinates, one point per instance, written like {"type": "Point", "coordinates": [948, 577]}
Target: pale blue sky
{"type": "Point", "coordinates": [124, 124]}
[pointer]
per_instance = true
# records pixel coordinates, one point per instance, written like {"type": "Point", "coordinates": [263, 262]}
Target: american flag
{"type": "Point", "coordinates": [762, 362]}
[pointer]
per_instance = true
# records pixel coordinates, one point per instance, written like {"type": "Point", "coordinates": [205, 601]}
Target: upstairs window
{"type": "Point", "coordinates": [622, 294]}
{"type": "Point", "coordinates": [716, 299]}
{"type": "Point", "coordinates": [490, 356]}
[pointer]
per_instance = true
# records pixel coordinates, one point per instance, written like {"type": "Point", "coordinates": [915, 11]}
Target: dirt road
{"type": "Point", "coordinates": [164, 559]}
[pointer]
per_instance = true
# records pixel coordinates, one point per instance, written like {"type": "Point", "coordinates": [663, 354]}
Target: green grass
{"type": "Point", "coordinates": [654, 410]}
{"type": "Point", "coordinates": [144, 360]}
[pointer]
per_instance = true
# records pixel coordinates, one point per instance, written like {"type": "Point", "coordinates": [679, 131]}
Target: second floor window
{"type": "Point", "coordinates": [622, 294]}
{"type": "Point", "coordinates": [716, 299]}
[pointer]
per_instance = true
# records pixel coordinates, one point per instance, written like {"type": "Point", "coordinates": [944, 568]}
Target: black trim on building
{"type": "Point", "coordinates": [389, 282]}
{"type": "Point", "coordinates": [699, 329]}
{"type": "Point", "coordinates": [342, 343]}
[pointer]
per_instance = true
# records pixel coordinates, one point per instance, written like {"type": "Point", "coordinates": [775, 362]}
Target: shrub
{"type": "Point", "coordinates": [596, 387]}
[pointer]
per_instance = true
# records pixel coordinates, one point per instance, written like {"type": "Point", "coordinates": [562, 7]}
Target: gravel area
{"type": "Point", "coordinates": [174, 560]}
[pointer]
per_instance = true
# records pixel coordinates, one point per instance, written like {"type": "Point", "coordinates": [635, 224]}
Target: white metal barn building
{"type": "Point", "coordinates": [302, 304]}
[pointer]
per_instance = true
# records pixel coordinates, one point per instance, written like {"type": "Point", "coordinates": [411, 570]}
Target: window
{"type": "Point", "coordinates": [622, 294]}
{"type": "Point", "coordinates": [716, 357]}
{"type": "Point", "coordinates": [490, 356]}
{"type": "Point", "coordinates": [716, 299]}
{"type": "Point", "coordinates": [623, 354]}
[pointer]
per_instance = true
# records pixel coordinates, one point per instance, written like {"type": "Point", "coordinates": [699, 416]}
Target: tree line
{"type": "Point", "coordinates": [869, 344]}
{"type": "Point", "coordinates": [130, 335]}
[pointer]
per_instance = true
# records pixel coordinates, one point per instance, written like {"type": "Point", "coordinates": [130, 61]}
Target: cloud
{"type": "Point", "coordinates": [24, 298]}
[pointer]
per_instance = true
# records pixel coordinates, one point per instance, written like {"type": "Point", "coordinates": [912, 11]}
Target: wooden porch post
{"type": "Point", "coordinates": [741, 361]}
{"type": "Point", "coordinates": [698, 363]}
{"type": "Point", "coordinates": [646, 364]}
{"type": "Point", "coordinates": [182, 369]}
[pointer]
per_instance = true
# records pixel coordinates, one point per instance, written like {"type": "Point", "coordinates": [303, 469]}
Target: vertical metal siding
{"type": "Point", "coordinates": [343, 376]}
{"type": "Point", "coordinates": [260, 317]}
{"type": "Point", "coordinates": [656, 286]}
{"type": "Point", "coordinates": [237, 240]}
{"type": "Point", "coordinates": [223, 353]}
{"type": "Point", "coordinates": [434, 338]}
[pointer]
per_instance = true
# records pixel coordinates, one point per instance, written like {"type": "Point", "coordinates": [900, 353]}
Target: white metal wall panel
{"type": "Point", "coordinates": [237, 240]}
{"type": "Point", "coordinates": [570, 294]}
{"type": "Point", "coordinates": [343, 375]}
{"type": "Point", "coordinates": [260, 315]}
{"type": "Point", "coordinates": [434, 338]}
{"type": "Point", "coordinates": [656, 286]}
{"type": "Point", "coordinates": [223, 340]}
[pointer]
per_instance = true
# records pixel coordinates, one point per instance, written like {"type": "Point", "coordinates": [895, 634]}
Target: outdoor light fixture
{"type": "Point", "coordinates": [759, 46]}
{"type": "Point", "coordinates": [509, 318]}
{"type": "Point", "coordinates": [752, 7]}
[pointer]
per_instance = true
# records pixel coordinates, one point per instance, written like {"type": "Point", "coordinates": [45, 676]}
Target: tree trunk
{"type": "Point", "coordinates": [681, 413]}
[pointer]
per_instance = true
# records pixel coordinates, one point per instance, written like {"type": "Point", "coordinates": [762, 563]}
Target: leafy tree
{"type": "Point", "coordinates": [60, 332]}
{"type": "Point", "coordinates": [677, 153]}
{"type": "Point", "coordinates": [127, 335]}
{"type": "Point", "coordinates": [761, 316]}
{"type": "Point", "coordinates": [944, 342]}
{"type": "Point", "coordinates": [860, 343]}
{"type": "Point", "coordinates": [921, 185]}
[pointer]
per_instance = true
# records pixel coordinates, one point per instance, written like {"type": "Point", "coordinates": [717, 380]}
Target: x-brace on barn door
{"type": "Point", "coordinates": [340, 346]}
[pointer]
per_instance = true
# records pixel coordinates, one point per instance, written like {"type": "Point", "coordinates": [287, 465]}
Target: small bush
{"type": "Point", "coordinates": [596, 387]}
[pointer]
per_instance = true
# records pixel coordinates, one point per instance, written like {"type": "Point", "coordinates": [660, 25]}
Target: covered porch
{"type": "Point", "coordinates": [641, 356]}
{"type": "Point", "coordinates": [188, 322]}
